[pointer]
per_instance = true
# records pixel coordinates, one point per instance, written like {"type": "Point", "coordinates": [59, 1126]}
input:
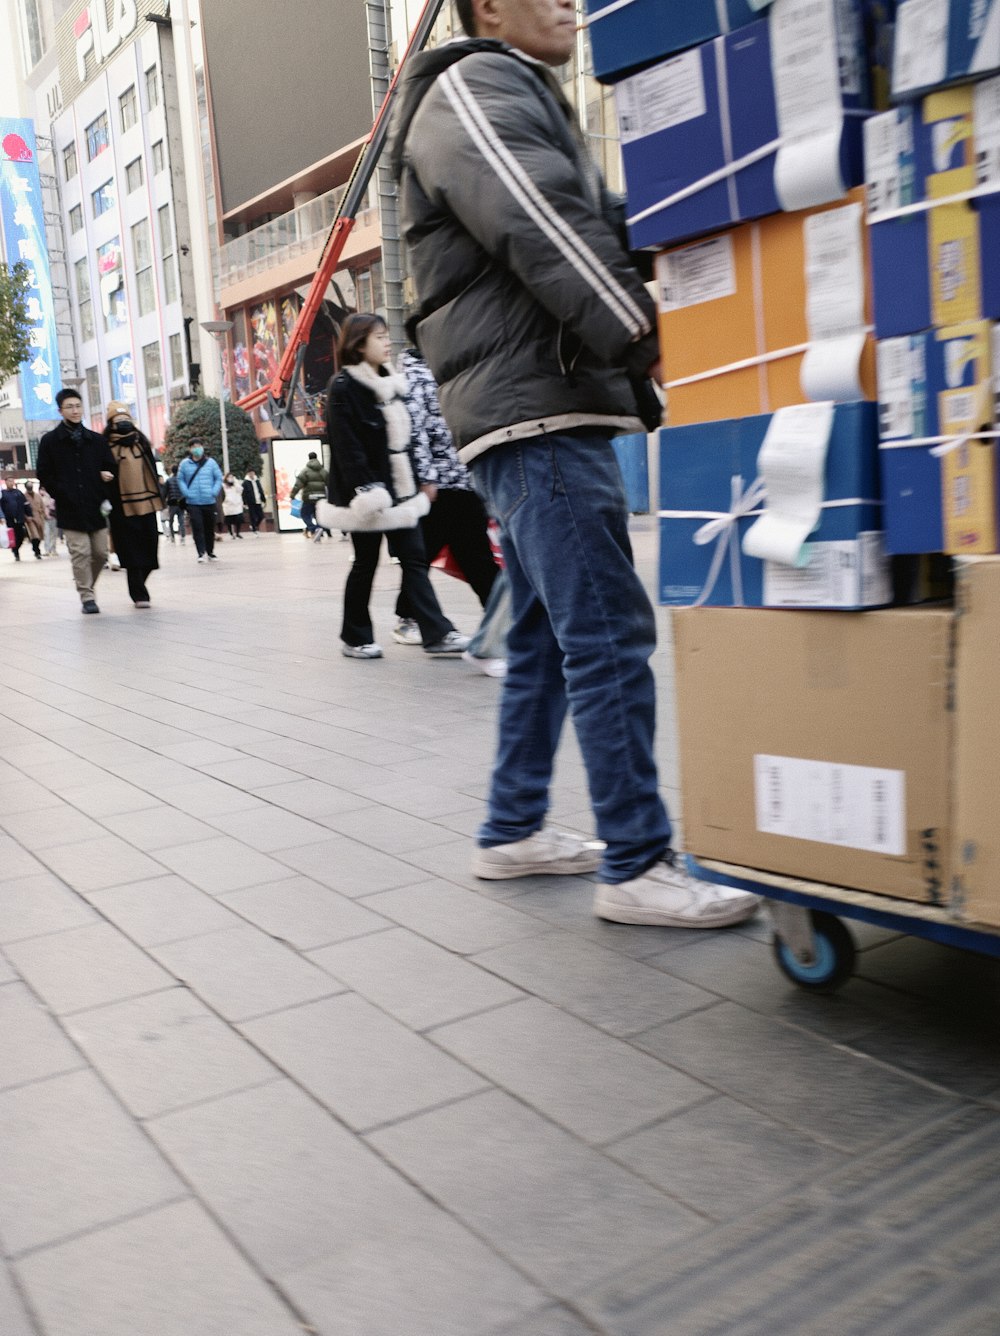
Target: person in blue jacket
{"type": "Point", "coordinates": [200, 480]}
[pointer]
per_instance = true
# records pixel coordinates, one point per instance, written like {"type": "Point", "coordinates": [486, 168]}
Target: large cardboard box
{"type": "Point", "coordinates": [769, 314]}
{"type": "Point", "coordinates": [819, 744]}
{"type": "Point", "coordinates": [757, 122]}
{"type": "Point", "coordinates": [705, 469]}
{"type": "Point", "coordinates": [976, 883]}
{"type": "Point", "coordinates": [625, 36]}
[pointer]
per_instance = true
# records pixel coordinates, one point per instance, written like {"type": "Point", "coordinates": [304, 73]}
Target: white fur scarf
{"type": "Point", "coordinates": [374, 509]}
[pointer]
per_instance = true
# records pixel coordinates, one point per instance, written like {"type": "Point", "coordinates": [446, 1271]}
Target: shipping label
{"type": "Point", "coordinates": [660, 98]}
{"type": "Point", "coordinates": [853, 806]}
{"type": "Point", "coordinates": [704, 272]}
{"type": "Point", "coordinates": [921, 52]}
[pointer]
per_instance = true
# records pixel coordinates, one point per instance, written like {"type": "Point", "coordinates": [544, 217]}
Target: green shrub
{"type": "Point", "coordinates": [198, 420]}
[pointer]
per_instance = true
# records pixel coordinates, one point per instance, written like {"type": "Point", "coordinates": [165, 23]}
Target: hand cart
{"type": "Point", "coordinates": [812, 945]}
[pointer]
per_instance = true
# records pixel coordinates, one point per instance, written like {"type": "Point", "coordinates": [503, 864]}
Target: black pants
{"type": "Point", "coordinates": [20, 534]}
{"type": "Point", "coordinates": [137, 578]}
{"type": "Point", "coordinates": [457, 520]}
{"type": "Point", "coordinates": [406, 545]}
{"type": "Point", "coordinates": [202, 528]}
{"type": "Point", "coordinates": [234, 523]}
{"type": "Point", "coordinates": [255, 514]}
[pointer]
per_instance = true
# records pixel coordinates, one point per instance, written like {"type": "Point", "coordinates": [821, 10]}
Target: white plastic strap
{"type": "Point", "coordinates": [713, 178]}
{"type": "Point", "coordinates": [942, 445]}
{"type": "Point", "coordinates": [925, 205]}
{"type": "Point", "coordinates": [603, 13]}
{"type": "Point", "coordinates": [745, 365]}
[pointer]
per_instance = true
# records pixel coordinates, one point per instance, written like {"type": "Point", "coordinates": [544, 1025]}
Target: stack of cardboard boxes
{"type": "Point", "coordinates": [828, 276]}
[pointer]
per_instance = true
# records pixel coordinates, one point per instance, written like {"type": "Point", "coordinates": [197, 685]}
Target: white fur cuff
{"type": "Point", "coordinates": [371, 502]}
{"type": "Point", "coordinates": [406, 515]}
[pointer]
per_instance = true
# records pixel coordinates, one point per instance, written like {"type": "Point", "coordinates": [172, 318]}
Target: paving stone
{"type": "Point", "coordinates": [559, 1210]}
{"type": "Point", "coordinates": [567, 902]}
{"type": "Point", "coordinates": [204, 797]}
{"type": "Point", "coordinates": [166, 1050]}
{"type": "Point", "coordinates": [107, 797]}
{"type": "Point", "coordinates": [349, 867]}
{"type": "Point", "coordinates": [7, 975]}
{"type": "Point", "coordinates": [198, 752]}
{"type": "Point", "coordinates": [25, 795]}
{"type": "Point", "coordinates": [303, 913]}
{"type": "Point", "coordinates": [621, 996]}
{"type": "Point", "coordinates": [45, 827]}
{"type": "Point", "coordinates": [164, 909]}
{"type": "Point", "coordinates": [248, 773]}
{"type": "Point", "coordinates": [72, 1160]}
{"type": "Point", "coordinates": [172, 1268]}
{"type": "Point", "coordinates": [723, 1158]}
{"type": "Point", "coordinates": [85, 967]}
{"type": "Point", "coordinates": [31, 906]}
{"type": "Point", "coordinates": [549, 1321]}
{"type": "Point", "coordinates": [822, 1089]}
{"type": "Point", "coordinates": [354, 1245]}
{"type": "Point", "coordinates": [92, 865]}
{"type": "Point", "coordinates": [16, 861]}
{"type": "Point", "coordinates": [385, 828]}
{"type": "Point", "coordinates": [158, 827]}
{"type": "Point", "coordinates": [32, 1045]}
{"type": "Point", "coordinates": [427, 800]}
{"type": "Point", "coordinates": [221, 864]}
{"type": "Point", "coordinates": [363, 1065]}
{"type": "Point", "coordinates": [272, 828]}
{"type": "Point", "coordinates": [242, 972]}
{"type": "Point", "coordinates": [457, 919]}
{"type": "Point", "coordinates": [14, 1320]}
{"type": "Point", "coordinates": [414, 980]}
{"type": "Point", "coordinates": [593, 1085]}
{"type": "Point", "coordinates": [311, 798]}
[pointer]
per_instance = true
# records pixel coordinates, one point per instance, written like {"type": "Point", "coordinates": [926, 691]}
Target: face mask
{"type": "Point", "coordinates": [197, 452]}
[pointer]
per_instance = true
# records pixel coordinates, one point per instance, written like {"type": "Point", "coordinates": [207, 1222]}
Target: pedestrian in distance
{"type": "Point", "coordinates": [232, 505]}
{"type": "Point", "coordinates": [312, 482]}
{"type": "Point", "coordinates": [135, 501]}
{"type": "Point", "coordinates": [254, 500]}
{"type": "Point", "coordinates": [456, 519]}
{"type": "Point", "coordinates": [540, 333]}
{"type": "Point", "coordinates": [200, 480]}
{"type": "Point", "coordinates": [50, 529]}
{"type": "Point", "coordinates": [176, 506]}
{"type": "Point", "coordinates": [15, 512]}
{"type": "Point", "coordinates": [373, 488]}
{"type": "Point", "coordinates": [75, 466]}
{"type": "Point", "coordinates": [34, 523]}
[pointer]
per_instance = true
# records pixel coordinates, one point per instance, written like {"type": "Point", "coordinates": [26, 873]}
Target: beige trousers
{"type": "Point", "coordinates": [88, 552]}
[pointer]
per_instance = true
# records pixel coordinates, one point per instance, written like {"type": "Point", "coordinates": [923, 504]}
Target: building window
{"type": "Point", "coordinates": [152, 87]}
{"type": "Point", "coordinates": [128, 105]}
{"type": "Point", "coordinates": [159, 159]}
{"type": "Point", "coordinates": [83, 299]}
{"type": "Point", "coordinates": [76, 218]}
{"type": "Point", "coordinates": [176, 358]}
{"type": "Point", "coordinates": [97, 136]}
{"type": "Point", "coordinates": [94, 389]}
{"type": "Point", "coordinates": [142, 258]}
{"type": "Point", "coordinates": [111, 278]}
{"type": "Point", "coordinates": [103, 198]}
{"type": "Point", "coordinates": [167, 253]}
{"type": "Point", "coordinates": [34, 48]}
{"type": "Point", "coordinates": [133, 175]}
{"type": "Point", "coordinates": [152, 368]}
{"type": "Point", "coordinates": [69, 162]}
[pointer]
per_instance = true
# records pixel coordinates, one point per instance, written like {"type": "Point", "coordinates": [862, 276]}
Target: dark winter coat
{"type": "Point", "coordinates": [311, 481]}
{"type": "Point", "coordinates": [532, 316]}
{"type": "Point", "coordinates": [70, 473]}
{"type": "Point", "coordinates": [14, 507]}
{"type": "Point", "coordinates": [358, 440]}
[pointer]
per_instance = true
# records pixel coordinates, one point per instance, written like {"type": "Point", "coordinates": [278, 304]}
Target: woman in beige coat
{"type": "Point", "coordinates": [34, 523]}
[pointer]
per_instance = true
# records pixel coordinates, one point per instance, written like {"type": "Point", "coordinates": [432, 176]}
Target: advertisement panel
{"type": "Point", "coordinates": [23, 227]}
{"type": "Point", "coordinates": [122, 374]}
{"type": "Point", "coordinates": [288, 459]}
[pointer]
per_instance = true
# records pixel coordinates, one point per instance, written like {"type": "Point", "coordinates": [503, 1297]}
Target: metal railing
{"type": "Point", "coordinates": [299, 230]}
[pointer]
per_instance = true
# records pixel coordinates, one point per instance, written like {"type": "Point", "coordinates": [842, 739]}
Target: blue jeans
{"type": "Point", "coordinates": [581, 636]}
{"type": "Point", "coordinates": [490, 639]}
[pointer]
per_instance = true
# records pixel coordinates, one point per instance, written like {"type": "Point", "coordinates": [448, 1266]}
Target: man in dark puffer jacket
{"type": "Point", "coordinates": [535, 322]}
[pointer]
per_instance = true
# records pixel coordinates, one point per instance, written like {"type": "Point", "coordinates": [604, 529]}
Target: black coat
{"type": "Point", "coordinates": [14, 506]}
{"type": "Point", "coordinates": [70, 473]}
{"type": "Point", "coordinates": [358, 440]}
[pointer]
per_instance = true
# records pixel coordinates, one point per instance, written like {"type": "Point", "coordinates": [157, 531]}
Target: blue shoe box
{"type": "Point", "coordinates": [698, 465]}
{"type": "Point", "coordinates": [646, 30]}
{"type": "Point", "coordinates": [693, 117]}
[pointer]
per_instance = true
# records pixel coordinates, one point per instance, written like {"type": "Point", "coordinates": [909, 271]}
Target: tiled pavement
{"type": "Point", "coordinates": [272, 1061]}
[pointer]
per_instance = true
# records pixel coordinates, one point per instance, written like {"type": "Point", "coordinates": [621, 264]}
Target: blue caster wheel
{"type": "Point", "coordinates": [835, 953]}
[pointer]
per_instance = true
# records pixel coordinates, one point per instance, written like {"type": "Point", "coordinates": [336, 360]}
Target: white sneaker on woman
{"type": "Point", "coordinates": [371, 651]}
{"type": "Point", "coordinates": [666, 896]}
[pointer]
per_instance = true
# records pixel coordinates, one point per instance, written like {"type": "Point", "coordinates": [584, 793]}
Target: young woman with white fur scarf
{"type": "Point", "coordinates": [373, 488]}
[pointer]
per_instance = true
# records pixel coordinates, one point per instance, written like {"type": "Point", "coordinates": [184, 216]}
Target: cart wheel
{"type": "Point", "coordinates": [834, 963]}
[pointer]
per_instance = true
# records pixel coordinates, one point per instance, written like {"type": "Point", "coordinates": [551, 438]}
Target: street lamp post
{"type": "Point", "coordinates": [219, 329]}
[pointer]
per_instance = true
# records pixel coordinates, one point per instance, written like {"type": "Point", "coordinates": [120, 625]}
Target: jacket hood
{"type": "Point", "coordinates": [418, 79]}
{"type": "Point", "coordinates": [314, 465]}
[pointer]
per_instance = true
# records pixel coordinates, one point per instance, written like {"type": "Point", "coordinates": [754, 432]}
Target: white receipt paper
{"type": "Point", "coordinates": [792, 462]}
{"type": "Point", "coordinates": [806, 64]}
{"type": "Point", "coordinates": [835, 305]}
{"type": "Point", "coordinates": [854, 806]}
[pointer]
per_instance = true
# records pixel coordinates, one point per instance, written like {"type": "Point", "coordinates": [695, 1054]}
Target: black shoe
{"type": "Point", "coordinates": [90, 606]}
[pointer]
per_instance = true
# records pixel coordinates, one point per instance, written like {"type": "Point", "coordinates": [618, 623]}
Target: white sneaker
{"type": "Point", "coordinates": [453, 643]}
{"type": "Point", "coordinates": [547, 851]}
{"type": "Point", "coordinates": [406, 632]}
{"type": "Point", "coordinates": [200, 559]}
{"type": "Point", "coordinates": [488, 667]}
{"type": "Point", "coordinates": [666, 896]}
{"type": "Point", "coordinates": [371, 651]}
